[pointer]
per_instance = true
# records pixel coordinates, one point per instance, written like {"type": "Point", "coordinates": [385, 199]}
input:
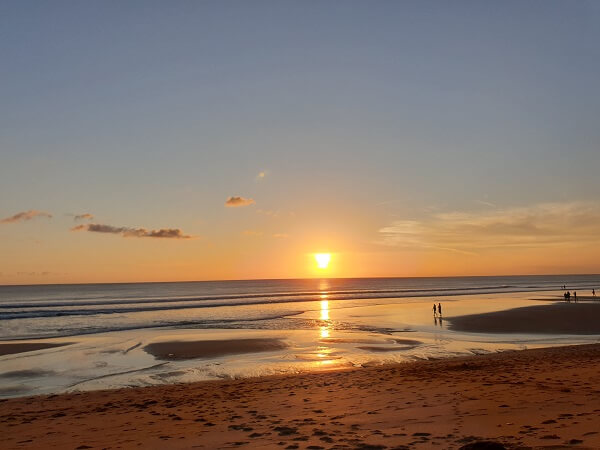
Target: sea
{"type": "Point", "coordinates": [325, 323]}
{"type": "Point", "coordinates": [43, 311]}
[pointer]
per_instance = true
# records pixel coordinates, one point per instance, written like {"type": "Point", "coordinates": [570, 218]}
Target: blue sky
{"type": "Point", "coordinates": [361, 113]}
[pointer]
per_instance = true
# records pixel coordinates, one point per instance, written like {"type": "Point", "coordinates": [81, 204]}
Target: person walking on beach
{"type": "Point", "coordinates": [594, 292]}
{"type": "Point", "coordinates": [440, 309]}
{"type": "Point", "coordinates": [434, 311]}
{"type": "Point", "coordinates": [574, 296]}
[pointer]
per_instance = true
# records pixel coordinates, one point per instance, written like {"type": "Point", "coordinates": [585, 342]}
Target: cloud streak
{"type": "Point", "coordinates": [85, 216]}
{"type": "Point", "coordinates": [26, 215]}
{"type": "Point", "coordinates": [236, 202]}
{"type": "Point", "coordinates": [164, 233]}
{"type": "Point", "coordinates": [541, 225]}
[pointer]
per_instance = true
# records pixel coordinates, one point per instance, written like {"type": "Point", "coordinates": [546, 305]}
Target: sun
{"type": "Point", "coordinates": [322, 260]}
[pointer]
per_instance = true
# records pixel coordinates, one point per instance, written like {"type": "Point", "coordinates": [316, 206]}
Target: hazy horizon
{"type": "Point", "coordinates": [306, 279]}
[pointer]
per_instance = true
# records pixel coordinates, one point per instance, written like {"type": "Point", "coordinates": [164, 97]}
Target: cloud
{"type": "Point", "coordinates": [252, 233]}
{"type": "Point", "coordinates": [267, 212]}
{"type": "Point", "coordinates": [233, 202]}
{"type": "Point", "coordinates": [281, 235]}
{"type": "Point", "coordinates": [262, 175]}
{"type": "Point", "coordinates": [167, 233]}
{"type": "Point", "coordinates": [85, 216]}
{"type": "Point", "coordinates": [540, 225]}
{"type": "Point", "coordinates": [26, 215]}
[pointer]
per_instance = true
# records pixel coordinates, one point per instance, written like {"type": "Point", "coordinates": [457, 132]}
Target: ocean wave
{"type": "Point", "coordinates": [274, 297]}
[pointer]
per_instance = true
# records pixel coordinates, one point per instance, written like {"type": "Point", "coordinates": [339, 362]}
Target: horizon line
{"type": "Point", "coordinates": [298, 279]}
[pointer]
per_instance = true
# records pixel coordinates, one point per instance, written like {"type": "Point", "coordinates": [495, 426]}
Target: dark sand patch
{"type": "Point", "coordinates": [10, 391]}
{"type": "Point", "coordinates": [372, 348]}
{"type": "Point", "coordinates": [406, 342]}
{"type": "Point", "coordinates": [22, 347]}
{"type": "Point", "coordinates": [174, 350]}
{"type": "Point", "coordinates": [26, 373]}
{"type": "Point", "coordinates": [556, 318]}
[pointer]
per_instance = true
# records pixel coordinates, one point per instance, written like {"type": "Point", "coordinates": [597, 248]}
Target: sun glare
{"type": "Point", "coordinates": [322, 260]}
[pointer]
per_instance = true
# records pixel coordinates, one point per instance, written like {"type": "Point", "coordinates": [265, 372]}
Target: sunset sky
{"type": "Point", "coordinates": [159, 141]}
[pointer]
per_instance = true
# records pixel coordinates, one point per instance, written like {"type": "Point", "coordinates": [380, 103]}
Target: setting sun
{"type": "Point", "coordinates": [322, 260]}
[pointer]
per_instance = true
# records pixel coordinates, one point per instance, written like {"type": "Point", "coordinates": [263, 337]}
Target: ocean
{"type": "Point", "coordinates": [102, 336]}
{"type": "Point", "coordinates": [43, 311]}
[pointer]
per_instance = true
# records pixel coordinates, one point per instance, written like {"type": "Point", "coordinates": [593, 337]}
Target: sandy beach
{"type": "Point", "coordinates": [541, 398]}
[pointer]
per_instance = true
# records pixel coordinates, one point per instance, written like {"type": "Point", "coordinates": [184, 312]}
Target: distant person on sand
{"type": "Point", "coordinates": [594, 292]}
{"type": "Point", "coordinates": [440, 309]}
{"type": "Point", "coordinates": [434, 310]}
{"type": "Point", "coordinates": [568, 295]}
{"type": "Point", "coordinates": [575, 296]}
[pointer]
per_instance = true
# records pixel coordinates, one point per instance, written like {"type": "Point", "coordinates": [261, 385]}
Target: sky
{"type": "Point", "coordinates": [186, 140]}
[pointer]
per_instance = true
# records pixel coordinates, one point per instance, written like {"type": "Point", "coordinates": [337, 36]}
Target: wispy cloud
{"type": "Point", "coordinates": [538, 225]}
{"type": "Point", "coordinates": [267, 212]}
{"type": "Point", "coordinates": [85, 216]}
{"type": "Point", "coordinates": [252, 233]}
{"type": "Point", "coordinates": [234, 202]}
{"type": "Point", "coordinates": [281, 235]}
{"type": "Point", "coordinates": [166, 233]}
{"type": "Point", "coordinates": [26, 215]}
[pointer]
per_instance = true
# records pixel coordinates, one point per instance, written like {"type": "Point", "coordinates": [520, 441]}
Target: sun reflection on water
{"type": "Point", "coordinates": [324, 328]}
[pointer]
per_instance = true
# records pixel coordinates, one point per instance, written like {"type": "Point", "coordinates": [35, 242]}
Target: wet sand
{"type": "Point", "coordinates": [22, 347]}
{"type": "Point", "coordinates": [542, 398]}
{"type": "Point", "coordinates": [555, 318]}
{"type": "Point", "coordinates": [177, 350]}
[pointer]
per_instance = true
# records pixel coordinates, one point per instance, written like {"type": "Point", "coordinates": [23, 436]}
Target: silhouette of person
{"type": "Point", "coordinates": [574, 295]}
{"type": "Point", "coordinates": [565, 296]}
{"type": "Point", "coordinates": [434, 310]}
{"type": "Point", "coordinates": [568, 294]}
{"type": "Point", "coordinates": [440, 309]}
{"type": "Point", "coordinates": [594, 292]}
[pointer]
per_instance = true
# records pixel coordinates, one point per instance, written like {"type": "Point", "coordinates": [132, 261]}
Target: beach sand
{"type": "Point", "coordinates": [541, 398]}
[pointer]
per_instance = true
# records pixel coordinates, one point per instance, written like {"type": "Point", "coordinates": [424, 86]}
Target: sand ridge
{"type": "Point", "coordinates": [543, 398]}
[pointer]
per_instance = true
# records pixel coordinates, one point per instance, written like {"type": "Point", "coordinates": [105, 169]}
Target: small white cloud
{"type": "Point", "coordinates": [261, 175]}
{"type": "Point", "coordinates": [237, 202]}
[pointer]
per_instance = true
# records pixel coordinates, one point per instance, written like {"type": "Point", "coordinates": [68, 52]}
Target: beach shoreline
{"type": "Point", "coordinates": [534, 398]}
